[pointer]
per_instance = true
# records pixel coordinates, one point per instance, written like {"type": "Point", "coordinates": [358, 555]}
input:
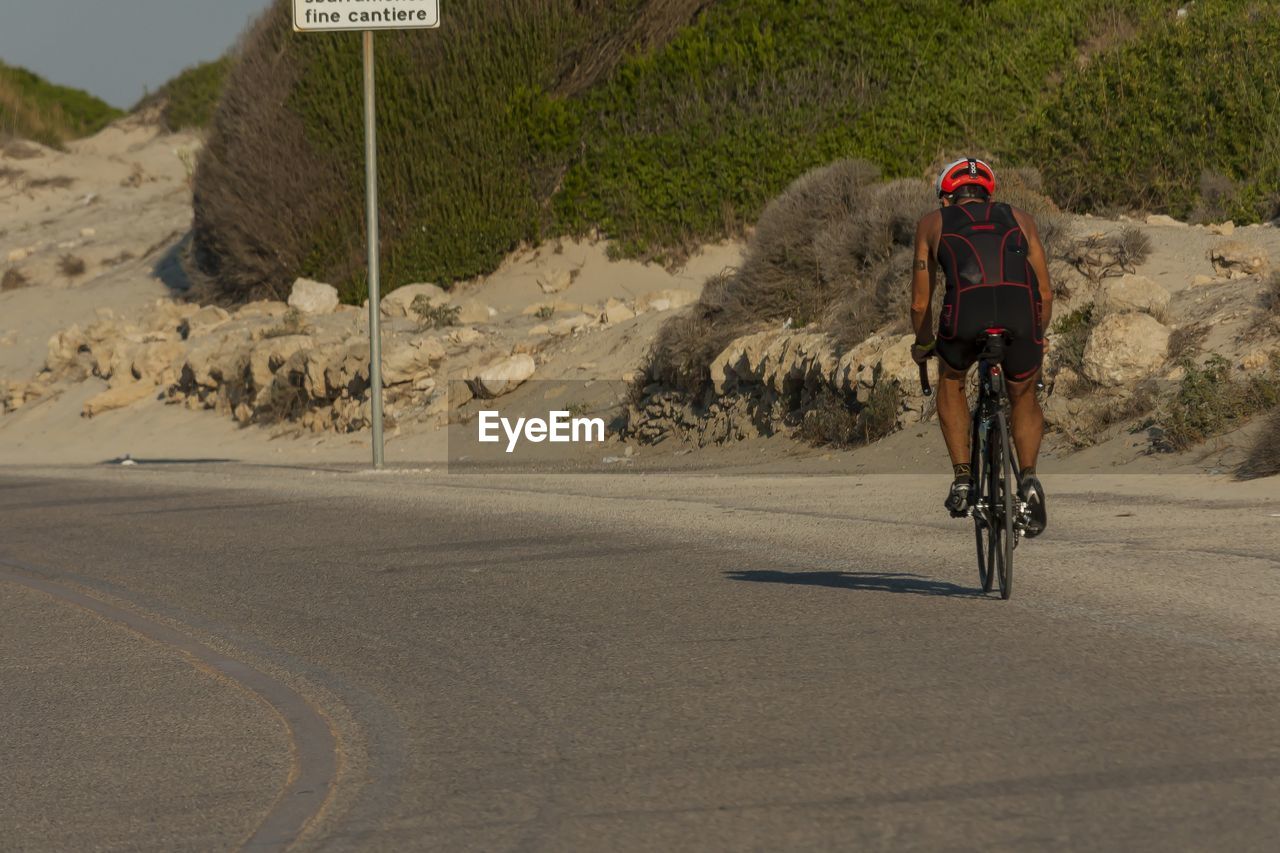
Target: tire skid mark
{"type": "Point", "coordinates": [313, 744]}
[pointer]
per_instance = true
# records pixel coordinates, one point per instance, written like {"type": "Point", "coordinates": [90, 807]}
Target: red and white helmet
{"type": "Point", "coordinates": [965, 172]}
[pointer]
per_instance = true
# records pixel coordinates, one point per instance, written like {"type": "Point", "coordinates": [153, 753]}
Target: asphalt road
{"type": "Point", "coordinates": [208, 658]}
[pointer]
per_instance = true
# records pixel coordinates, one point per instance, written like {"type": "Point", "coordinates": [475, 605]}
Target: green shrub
{"type": "Point", "coordinates": [33, 108]}
{"type": "Point", "coordinates": [189, 99]}
{"type": "Point", "coordinates": [435, 316]}
{"type": "Point", "coordinates": [1071, 334]}
{"type": "Point", "coordinates": [1137, 127]}
{"type": "Point", "coordinates": [661, 124]}
{"type": "Point", "coordinates": [475, 129]}
{"type": "Point", "coordinates": [1211, 401]}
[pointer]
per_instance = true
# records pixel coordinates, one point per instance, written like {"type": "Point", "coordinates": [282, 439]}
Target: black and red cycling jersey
{"type": "Point", "coordinates": [989, 284]}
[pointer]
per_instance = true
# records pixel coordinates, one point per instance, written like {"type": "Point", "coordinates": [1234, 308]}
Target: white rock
{"type": "Point", "coordinates": [1125, 348]}
{"type": "Point", "coordinates": [17, 255]}
{"type": "Point", "coordinates": [117, 397]}
{"type": "Point", "coordinates": [1223, 229]}
{"type": "Point", "coordinates": [397, 303]}
{"type": "Point", "coordinates": [313, 297]}
{"type": "Point", "coordinates": [205, 320]}
{"type": "Point", "coordinates": [1133, 292]}
{"type": "Point", "coordinates": [1161, 219]}
{"type": "Point", "coordinates": [270, 354]}
{"type": "Point", "coordinates": [88, 232]}
{"type": "Point", "coordinates": [616, 312]}
{"type": "Point", "coordinates": [1202, 280]}
{"type": "Point", "coordinates": [408, 360]}
{"type": "Point", "coordinates": [465, 336]}
{"type": "Point", "coordinates": [504, 375]}
{"type": "Point", "coordinates": [1238, 259]}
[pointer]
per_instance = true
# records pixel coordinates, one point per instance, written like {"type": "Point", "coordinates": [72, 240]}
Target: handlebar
{"type": "Point", "coordinates": [924, 379]}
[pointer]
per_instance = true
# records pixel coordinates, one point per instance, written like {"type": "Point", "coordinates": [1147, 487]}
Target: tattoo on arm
{"type": "Point", "coordinates": [921, 265]}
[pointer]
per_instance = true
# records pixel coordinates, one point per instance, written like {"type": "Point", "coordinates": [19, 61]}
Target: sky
{"type": "Point", "coordinates": [119, 49]}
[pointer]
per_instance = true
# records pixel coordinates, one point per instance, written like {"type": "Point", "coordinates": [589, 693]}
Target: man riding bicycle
{"type": "Point", "coordinates": [996, 277]}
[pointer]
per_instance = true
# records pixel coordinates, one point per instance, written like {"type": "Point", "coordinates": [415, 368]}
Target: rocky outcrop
{"type": "Point", "coordinates": [1125, 348]}
{"type": "Point", "coordinates": [765, 381]}
{"type": "Point", "coordinates": [118, 397]}
{"type": "Point", "coordinates": [1236, 259]}
{"type": "Point", "coordinates": [1132, 292]}
{"type": "Point", "coordinates": [399, 302]}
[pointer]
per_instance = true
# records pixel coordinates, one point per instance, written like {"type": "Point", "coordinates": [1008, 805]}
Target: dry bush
{"type": "Point", "coordinates": [1264, 459]}
{"type": "Point", "coordinates": [1210, 401]}
{"type": "Point", "coordinates": [1217, 197]}
{"type": "Point", "coordinates": [1187, 340]}
{"type": "Point", "coordinates": [435, 316]}
{"type": "Point", "coordinates": [1099, 256]}
{"type": "Point", "coordinates": [833, 252]}
{"type": "Point", "coordinates": [14, 279]}
{"type": "Point", "coordinates": [257, 164]}
{"type": "Point", "coordinates": [10, 174]}
{"type": "Point", "coordinates": [830, 421]}
{"type": "Point", "coordinates": [71, 266]}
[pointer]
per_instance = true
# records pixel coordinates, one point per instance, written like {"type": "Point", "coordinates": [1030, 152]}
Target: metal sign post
{"type": "Point", "coordinates": [366, 16]}
{"type": "Point", "coordinates": [375, 285]}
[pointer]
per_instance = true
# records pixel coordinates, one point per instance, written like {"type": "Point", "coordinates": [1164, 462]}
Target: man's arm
{"type": "Point", "coordinates": [923, 276]}
{"type": "Point", "coordinates": [1039, 265]}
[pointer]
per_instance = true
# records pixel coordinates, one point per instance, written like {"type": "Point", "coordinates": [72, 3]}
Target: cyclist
{"type": "Point", "coordinates": [995, 275]}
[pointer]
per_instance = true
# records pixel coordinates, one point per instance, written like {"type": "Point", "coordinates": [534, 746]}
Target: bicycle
{"type": "Point", "coordinates": [999, 513]}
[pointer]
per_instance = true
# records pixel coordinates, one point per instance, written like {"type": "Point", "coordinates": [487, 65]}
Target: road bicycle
{"type": "Point", "coordinates": [999, 513]}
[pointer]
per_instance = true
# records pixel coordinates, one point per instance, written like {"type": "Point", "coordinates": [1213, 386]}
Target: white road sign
{"type": "Point", "coordinates": [316, 16]}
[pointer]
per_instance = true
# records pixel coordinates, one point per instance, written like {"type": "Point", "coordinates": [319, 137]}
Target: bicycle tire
{"type": "Point", "coordinates": [1004, 512]}
{"type": "Point", "coordinates": [981, 520]}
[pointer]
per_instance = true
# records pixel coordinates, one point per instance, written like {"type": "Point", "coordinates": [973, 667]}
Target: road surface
{"type": "Point", "coordinates": [215, 657]}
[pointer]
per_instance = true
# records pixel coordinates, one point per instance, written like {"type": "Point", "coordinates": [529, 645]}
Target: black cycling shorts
{"type": "Point", "coordinates": [969, 312]}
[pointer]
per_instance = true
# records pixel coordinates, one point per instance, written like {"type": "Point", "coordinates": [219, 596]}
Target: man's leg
{"type": "Point", "coordinates": [953, 412]}
{"type": "Point", "coordinates": [1028, 430]}
{"type": "Point", "coordinates": [1028, 421]}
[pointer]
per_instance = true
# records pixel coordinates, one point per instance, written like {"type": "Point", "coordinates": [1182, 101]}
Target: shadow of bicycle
{"type": "Point", "coordinates": [896, 582]}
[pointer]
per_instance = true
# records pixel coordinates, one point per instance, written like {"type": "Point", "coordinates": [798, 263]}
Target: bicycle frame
{"type": "Point", "coordinates": [992, 399]}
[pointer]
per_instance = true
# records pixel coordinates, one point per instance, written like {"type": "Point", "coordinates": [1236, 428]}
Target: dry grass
{"type": "Point", "coordinates": [14, 279]}
{"type": "Point", "coordinates": [1187, 341]}
{"type": "Point", "coordinates": [71, 266]}
{"type": "Point", "coordinates": [10, 174]}
{"type": "Point", "coordinates": [1264, 459]}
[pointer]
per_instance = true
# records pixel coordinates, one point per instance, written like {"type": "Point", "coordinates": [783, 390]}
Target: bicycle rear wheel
{"type": "Point", "coordinates": [1001, 500]}
{"type": "Point", "coordinates": [981, 517]}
